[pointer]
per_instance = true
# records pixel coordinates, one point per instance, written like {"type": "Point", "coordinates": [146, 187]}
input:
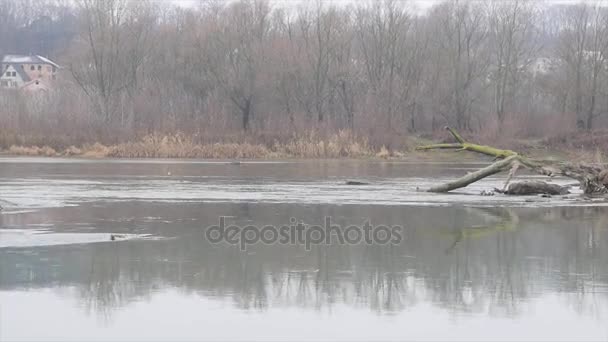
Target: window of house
{"type": "Point", "coordinates": [14, 74]}
{"type": "Point", "coordinates": [8, 74]}
{"type": "Point", "coordinates": [4, 83]}
{"type": "Point", "coordinates": [32, 67]}
{"type": "Point", "coordinates": [39, 67]}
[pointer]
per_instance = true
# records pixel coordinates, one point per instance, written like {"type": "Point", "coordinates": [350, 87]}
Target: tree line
{"type": "Point", "coordinates": [382, 69]}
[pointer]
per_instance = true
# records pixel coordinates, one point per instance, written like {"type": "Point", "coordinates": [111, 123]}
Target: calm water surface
{"type": "Point", "coordinates": [470, 267]}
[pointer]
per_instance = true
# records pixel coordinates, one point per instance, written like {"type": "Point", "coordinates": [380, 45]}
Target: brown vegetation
{"type": "Point", "coordinates": [253, 78]}
{"type": "Point", "coordinates": [339, 145]}
{"type": "Point", "coordinates": [343, 144]}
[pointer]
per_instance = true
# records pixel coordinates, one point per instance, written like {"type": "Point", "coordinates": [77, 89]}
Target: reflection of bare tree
{"type": "Point", "coordinates": [383, 279]}
{"type": "Point", "coordinates": [473, 260]}
{"type": "Point", "coordinates": [252, 285]}
{"type": "Point", "coordinates": [499, 225]}
{"type": "Point", "coordinates": [303, 293]}
{"type": "Point", "coordinates": [111, 281]}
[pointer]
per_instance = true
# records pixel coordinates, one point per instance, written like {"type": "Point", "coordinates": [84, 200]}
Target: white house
{"type": "Point", "coordinates": [13, 77]}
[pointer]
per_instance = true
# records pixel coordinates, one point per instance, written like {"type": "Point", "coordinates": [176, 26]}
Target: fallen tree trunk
{"type": "Point", "coordinates": [473, 177]}
{"type": "Point", "coordinates": [593, 180]}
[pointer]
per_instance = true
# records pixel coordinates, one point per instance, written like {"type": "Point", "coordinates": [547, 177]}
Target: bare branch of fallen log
{"type": "Point", "coordinates": [514, 167]}
{"type": "Point", "coordinates": [466, 146]}
{"type": "Point", "coordinates": [455, 135]}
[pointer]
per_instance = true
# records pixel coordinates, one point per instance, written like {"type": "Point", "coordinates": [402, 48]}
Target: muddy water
{"type": "Point", "coordinates": [470, 267]}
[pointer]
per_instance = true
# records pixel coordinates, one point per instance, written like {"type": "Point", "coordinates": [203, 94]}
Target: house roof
{"type": "Point", "coordinates": [19, 71]}
{"type": "Point", "coordinates": [33, 59]}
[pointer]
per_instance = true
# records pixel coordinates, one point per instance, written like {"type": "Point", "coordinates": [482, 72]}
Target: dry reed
{"type": "Point", "coordinates": [342, 144]}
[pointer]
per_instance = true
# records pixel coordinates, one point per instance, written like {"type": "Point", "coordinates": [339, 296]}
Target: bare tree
{"type": "Point", "coordinates": [246, 69]}
{"type": "Point", "coordinates": [595, 61]}
{"type": "Point", "coordinates": [513, 45]}
{"type": "Point", "coordinates": [318, 28]}
{"type": "Point", "coordinates": [8, 26]}
{"type": "Point", "coordinates": [110, 52]}
{"type": "Point", "coordinates": [237, 52]}
{"type": "Point", "coordinates": [572, 50]}
{"type": "Point", "coordinates": [382, 30]}
{"type": "Point", "coordinates": [460, 36]}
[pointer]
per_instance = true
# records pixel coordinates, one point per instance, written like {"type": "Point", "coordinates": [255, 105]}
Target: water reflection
{"type": "Point", "coordinates": [461, 260]}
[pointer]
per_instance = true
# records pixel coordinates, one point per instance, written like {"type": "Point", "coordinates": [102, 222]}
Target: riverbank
{"type": "Point", "coordinates": [339, 145]}
{"type": "Point", "coordinates": [577, 147]}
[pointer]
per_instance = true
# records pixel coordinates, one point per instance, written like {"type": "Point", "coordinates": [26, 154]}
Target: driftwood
{"type": "Point", "coordinates": [593, 180]}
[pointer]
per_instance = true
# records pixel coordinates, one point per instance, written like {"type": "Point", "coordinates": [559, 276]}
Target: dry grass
{"type": "Point", "coordinates": [578, 146]}
{"type": "Point", "coordinates": [181, 146]}
{"type": "Point", "coordinates": [343, 144]}
{"type": "Point", "coordinates": [32, 151]}
{"type": "Point", "coordinates": [383, 153]}
{"type": "Point", "coordinates": [340, 145]}
{"type": "Point", "coordinates": [72, 151]}
{"type": "Point", "coordinates": [96, 150]}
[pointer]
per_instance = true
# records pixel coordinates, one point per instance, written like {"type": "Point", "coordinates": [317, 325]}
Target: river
{"type": "Point", "coordinates": [116, 250]}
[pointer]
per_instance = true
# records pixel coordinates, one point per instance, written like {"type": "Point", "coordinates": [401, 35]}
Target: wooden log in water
{"type": "Point", "coordinates": [474, 176]}
{"type": "Point", "coordinates": [354, 182]}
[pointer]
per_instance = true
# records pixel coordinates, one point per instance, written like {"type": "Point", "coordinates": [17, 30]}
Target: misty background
{"type": "Point", "coordinates": [266, 71]}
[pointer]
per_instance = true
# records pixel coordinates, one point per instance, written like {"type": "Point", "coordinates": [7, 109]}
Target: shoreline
{"type": "Point", "coordinates": [578, 155]}
{"type": "Point", "coordinates": [343, 145]}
